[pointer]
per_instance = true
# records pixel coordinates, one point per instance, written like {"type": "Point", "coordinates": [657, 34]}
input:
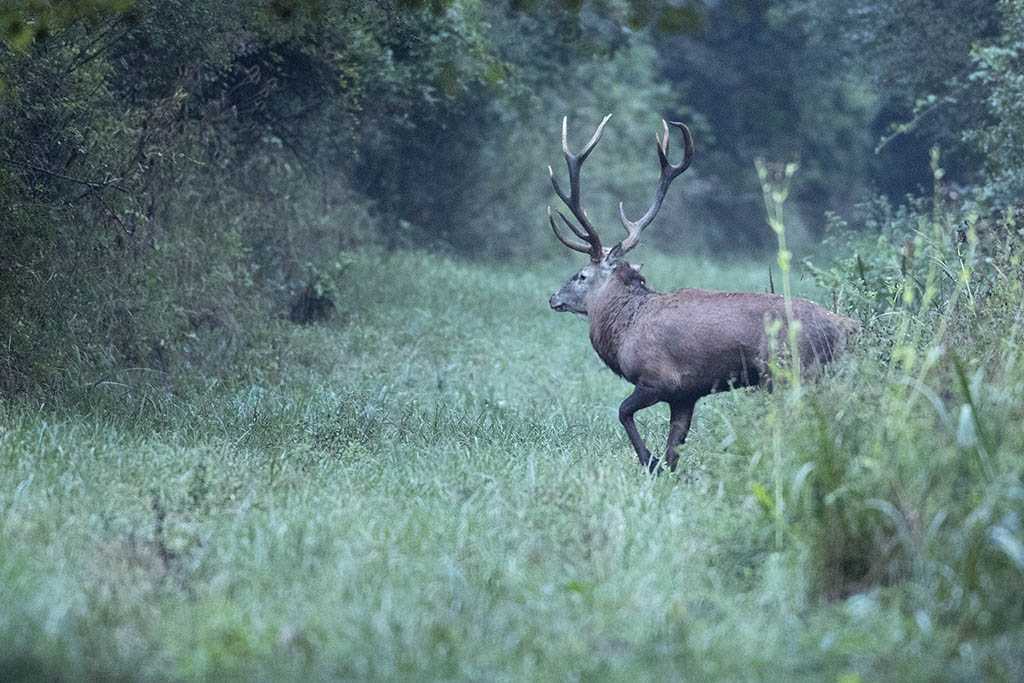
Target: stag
{"type": "Point", "coordinates": [677, 348]}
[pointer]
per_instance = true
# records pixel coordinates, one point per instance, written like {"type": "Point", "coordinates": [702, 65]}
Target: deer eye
{"type": "Point", "coordinates": [582, 277]}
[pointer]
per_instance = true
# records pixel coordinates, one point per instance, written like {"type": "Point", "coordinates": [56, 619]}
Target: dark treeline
{"type": "Point", "coordinates": [170, 172]}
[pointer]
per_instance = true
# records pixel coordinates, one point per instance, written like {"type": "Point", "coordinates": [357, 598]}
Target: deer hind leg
{"type": "Point", "coordinates": [642, 397]}
{"type": "Point", "coordinates": [679, 426]}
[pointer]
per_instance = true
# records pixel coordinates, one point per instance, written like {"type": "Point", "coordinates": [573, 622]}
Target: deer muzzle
{"type": "Point", "coordinates": [557, 304]}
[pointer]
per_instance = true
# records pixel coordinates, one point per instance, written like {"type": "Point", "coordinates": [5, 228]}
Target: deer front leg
{"type": "Point", "coordinates": [642, 397]}
{"type": "Point", "coordinates": [679, 426]}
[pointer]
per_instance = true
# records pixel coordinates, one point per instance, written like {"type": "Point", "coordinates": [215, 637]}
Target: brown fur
{"type": "Point", "coordinates": [679, 347]}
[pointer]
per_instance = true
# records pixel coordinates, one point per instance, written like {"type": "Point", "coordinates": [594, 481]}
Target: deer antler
{"type": "Point", "coordinates": [669, 172]}
{"type": "Point", "coordinates": [574, 161]}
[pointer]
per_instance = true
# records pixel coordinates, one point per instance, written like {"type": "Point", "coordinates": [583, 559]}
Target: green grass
{"type": "Point", "coordinates": [435, 486]}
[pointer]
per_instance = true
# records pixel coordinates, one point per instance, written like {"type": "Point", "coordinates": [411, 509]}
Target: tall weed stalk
{"type": "Point", "coordinates": [776, 180]}
{"type": "Point", "coordinates": [907, 472]}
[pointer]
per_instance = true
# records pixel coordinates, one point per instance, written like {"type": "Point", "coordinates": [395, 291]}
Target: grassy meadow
{"type": "Point", "coordinates": [434, 486]}
{"type": "Point", "coordinates": [432, 483]}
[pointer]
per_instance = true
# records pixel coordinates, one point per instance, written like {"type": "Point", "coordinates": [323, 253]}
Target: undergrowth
{"type": "Point", "coordinates": [433, 484]}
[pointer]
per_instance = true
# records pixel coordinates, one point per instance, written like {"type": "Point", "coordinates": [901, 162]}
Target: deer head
{"type": "Point", "coordinates": [587, 283]}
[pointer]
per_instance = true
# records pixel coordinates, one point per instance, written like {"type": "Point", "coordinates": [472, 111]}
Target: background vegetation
{"type": "Point", "coordinates": [430, 481]}
{"type": "Point", "coordinates": [175, 174]}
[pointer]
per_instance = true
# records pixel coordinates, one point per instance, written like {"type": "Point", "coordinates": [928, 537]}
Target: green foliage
{"type": "Point", "coordinates": [908, 50]}
{"type": "Point", "coordinates": [432, 483]}
{"type": "Point", "coordinates": [909, 54]}
{"type": "Point", "coordinates": [25, 22]}
{"type": "Point", "coordinates": [68, 214]}
{"type": "Point", "coordinates": [919, 75]}
{"type": "Point", "coordinates": [927, 257]}
{"type": "Point", "coordinates": [172, 164]}
{"type": "Point", "coordinates": [996, 131]}
{"type": "Point", "coordinates": [921, 492]}
{"type": "Point", "coordinates": [764, 84]}
{"type": "Point", "coordinates": [925, 494]}
{"type": "Point", "coordinates": [449, 500]}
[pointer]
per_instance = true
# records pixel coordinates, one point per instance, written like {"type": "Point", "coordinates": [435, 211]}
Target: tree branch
{"type": "Point", "coordinates": [92, 185]}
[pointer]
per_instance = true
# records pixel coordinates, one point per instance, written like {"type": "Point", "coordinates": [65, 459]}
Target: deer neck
{"type": "Point", "coordinates": [615, 311]}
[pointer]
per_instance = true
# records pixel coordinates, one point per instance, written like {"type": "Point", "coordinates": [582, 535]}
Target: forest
{"type": "Point", "coordinates": [282, 397]}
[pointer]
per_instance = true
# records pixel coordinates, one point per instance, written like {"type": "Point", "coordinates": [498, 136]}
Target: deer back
{"type": "Point", "coordinates": [695, 341]}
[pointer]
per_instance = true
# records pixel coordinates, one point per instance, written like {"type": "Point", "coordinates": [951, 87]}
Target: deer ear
{"type": "Point", "coordinates": [636, 266]}
{"type": "Point", "coordinates": [615, 254]}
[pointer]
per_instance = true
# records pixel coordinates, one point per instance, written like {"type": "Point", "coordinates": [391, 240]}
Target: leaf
{"type": "Point", "coordinates": [762, 496]}
{"type": "Point", "coordinates": [965, 436]}
{"type": "Point", "coordinates": [801, 477]}
{"type": "Point", "coordinates": [1007, 542]}
{"type": "Point", "coordinates": [581, 587]}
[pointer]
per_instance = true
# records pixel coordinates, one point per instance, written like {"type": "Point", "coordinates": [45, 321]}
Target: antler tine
{"type": "Point", "coordinates": [582, 234]}
{"type": "Point", "coordinates": [558, 190]}
{"type": "Point", "coordinates": [669, 172]}
{"type": "Point", "coordinates": [594, 139]}
{"type": "Point", "coordinates": [572, 200]}
{"type": "Point", "coordinates": [687, 145]}
{"type": "Point", "coordinates": [575, 246]}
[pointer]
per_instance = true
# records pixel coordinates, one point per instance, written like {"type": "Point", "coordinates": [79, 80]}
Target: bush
{"type": "Point", "coordinates": [169, 169]}
{"type": "Point", "coordinates": [903, 467]}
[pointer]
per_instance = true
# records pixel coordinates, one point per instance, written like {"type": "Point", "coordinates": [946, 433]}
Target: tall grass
{"type": "Point", "coordinates": [435, 486]}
